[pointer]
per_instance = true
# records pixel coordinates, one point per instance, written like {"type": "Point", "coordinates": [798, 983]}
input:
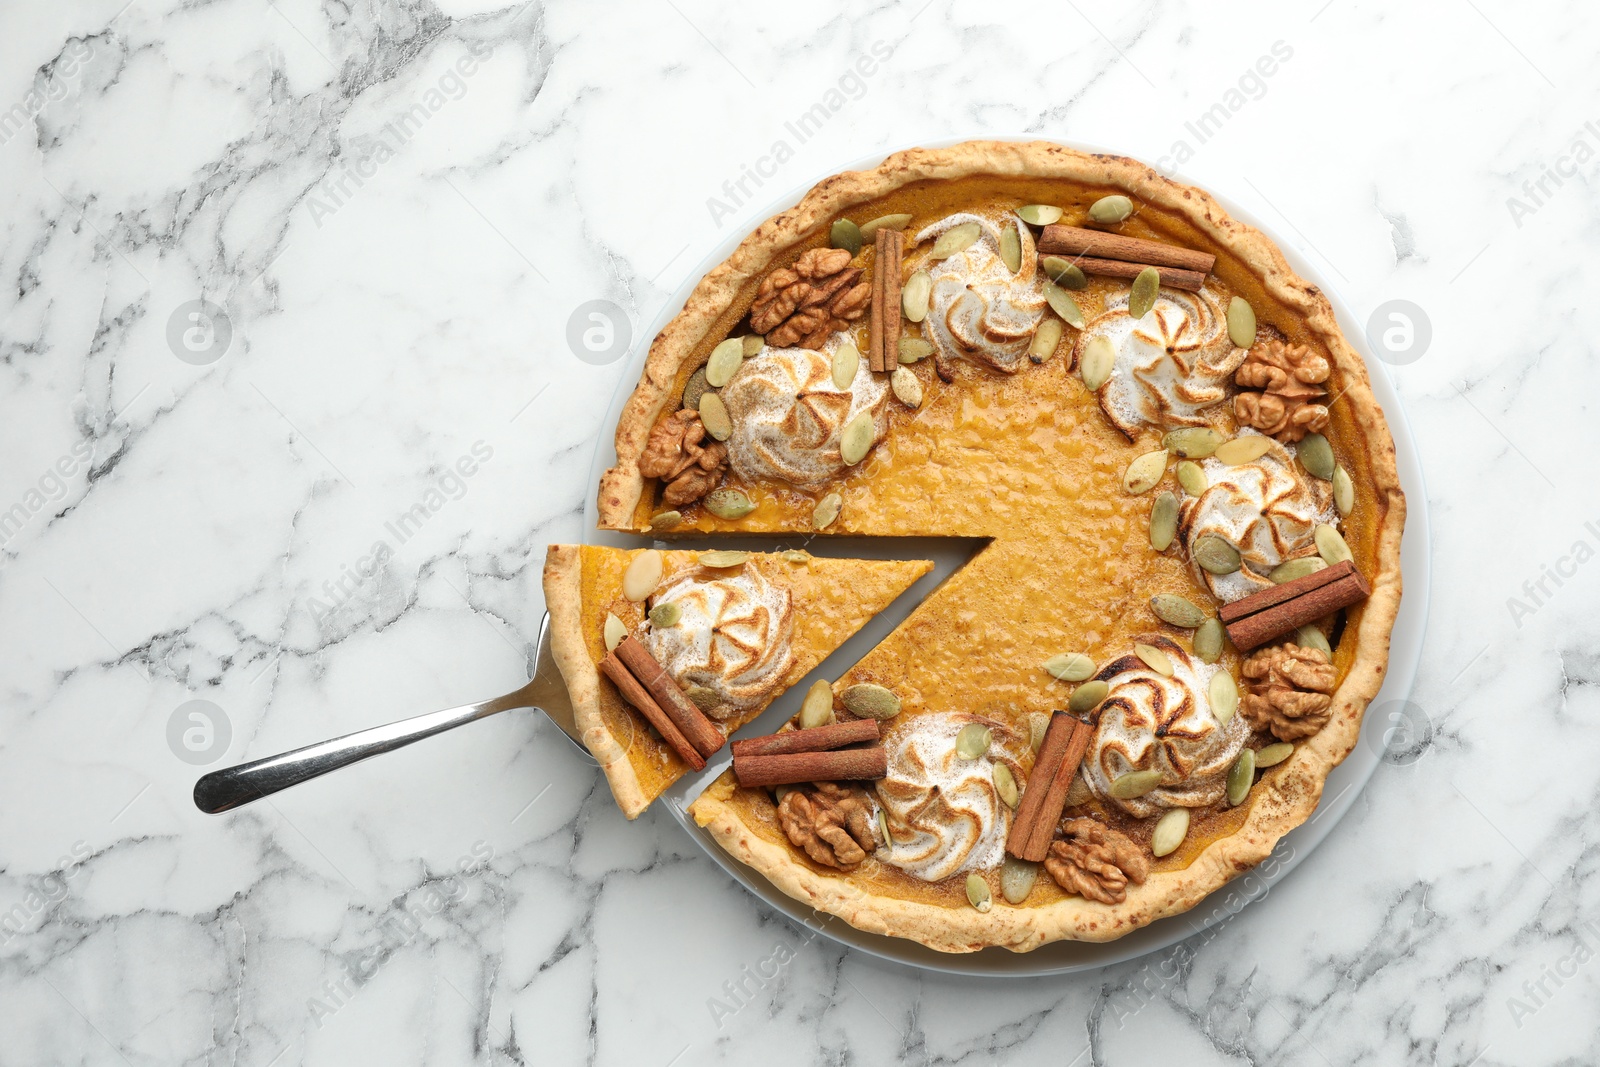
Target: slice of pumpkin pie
{"type": "Point", "coordinates": [730, 630]}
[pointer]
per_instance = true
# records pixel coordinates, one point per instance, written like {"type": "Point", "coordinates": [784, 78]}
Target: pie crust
{"type": "Point", "coordinates": [1284, 798]}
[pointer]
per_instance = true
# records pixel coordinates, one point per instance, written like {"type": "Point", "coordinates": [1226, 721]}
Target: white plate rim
{"type": "Point", "coordinates": [1343, 784]}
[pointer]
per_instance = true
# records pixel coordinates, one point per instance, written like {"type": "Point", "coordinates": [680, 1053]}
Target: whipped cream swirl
{"type": "Point", "coordinates": [944, 814]}
{"type": "Point", "coordinates": [1268, 509]}
{"type": "Point", "coordinates": [979, 308]}
{"type": "Point", "coordinates": [1172, 366]}
{"type": "Point", "coordinates": [732, 637]}
{"type": "Point", "coordinates": [1151, 722]}
{"type": "Point", "coordinates": [787, 414]}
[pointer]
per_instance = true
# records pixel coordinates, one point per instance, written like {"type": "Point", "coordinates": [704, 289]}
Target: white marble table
{"type": "Point", "coordinates": [393, 209]}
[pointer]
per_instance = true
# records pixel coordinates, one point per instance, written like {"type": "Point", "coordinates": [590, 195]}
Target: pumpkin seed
{"type": "Point", "coordinates": [616, 630]}
{"type": "Point", "coordinates": [694, 389]}
{"type": "Point", "coordinates": [794, 555]}
{"type": "Point", "coordinates": [1344, 491]}
{"type": "Point", "coordinates": [1241, 322]}
{"type": "Point", "coordinates": [642, 576]}
{"type": "Point", "coordinates": [1039, 214]}
{"type": "Point", "coordinates": [1193, 478]}
{"type": "Point", "coordinates": [722, 558]}
{"type": "Point", "coordinates": [1208, 641]}
{"type": "Point", "coordinates": [1163, 521]}
{"type": "Point", "coordinates": [1311, 637]}
{"type": "Point", "coordinates": [1135, 784]}
{"type": "Point", "coordinates": [1246, 449]}
{"type": "Point", "coordinates": [1098, 361]}
{"type": "Point", "coordinates": [1088, 696]}
{"type": "Point", "coordinates": [914, 297]}
{"type": "Point", "coordinates": [753, 344]}
{"type": "Point", "coordinates": [884, 222]}
{"type": "Point", "coordinates": [866, 700]}
{"type": "Point", "coordinates": [1272, 755]}
{"type": "Point", "coordinates": [1016, 879]}
{"type": "Point", "coordinates": [1062, 304]}
{"type": "Point", "coordinates": [665, 520]}
{"type": "Point", "coordinates": [817, 708]}
{"type": "Point", "coordinates": [907, 388]}
{"type": "Point", "coordinates": [973, 740]}
{"type": "Point", "coordinates": [1331, 545]}
{"type": "Point", "coordinates": [1038, 723]}
{"type": "Point", "coordinates": [1154, 658]}
{"type": "Point", "coordinates": [1011, 249]}
{"type": "Point", "coordinates": [1316, 456]}
{"type": "Point", "coordinates": [665, 615]}
{"type": "Point", "coordinates": [727, 504]}
{"type": "Point", "coordinates": [702, 698]}
{"type": "Point", "coordinates": [1045, 340]}
{"type": "Point", "coordinates": [955, 239]}
{"type": "Point", "coordinates": [1215, 555]}
{"type": "Point", "coordinates": [724, 362]}
{"type": "Point", "coordinates": [913, 349]}
{"type": "Point", "coordinates": [826, 511]}
{"type": "Point", "coordinates": [1069, 667]}
{"type": "Point", "coordinates": [846, 235]}
{"type": "Point", "coordinates": [883, 828]}
{"type": "Point", "coordinates": [714, 416]}
{"type": "Point", "coordinates": [855, 441]}
{"type": "Point", "coordinates": [1174, 609]}
{"type": "Point", "coordinates": [1144, 472]}
{"type": "Point", "coordinates": [1064, 272]}
{"type": "Point", "coordinates": [846, 361]}
{"type": "Point", "coordinates": [1224, 694]}
{"type": "Point", "coordinates": [1289, 570]}
{"type": "Point", "coordinates": [1169, 833]}
{"type": "Point", "coordinates": [1109, 209]}
{"type": "Point", "coordinates": [1142, 297]}
{"type": "Point", "coordinates": [781, 791]}
{"type": "Point", "coordinates": [1005, 784]}
{"type": "Point", "coordinates": [978, 892]}
{"type": "Point", "coordinates": [1241, 777]}
{"type": "Point", "coordinates": [1192, 442]}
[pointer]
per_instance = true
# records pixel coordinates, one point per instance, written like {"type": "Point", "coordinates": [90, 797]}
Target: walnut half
{"type": "Point", "coordinates": [1290, 379]}
{"type": "Point", "coordinates": [675, 454]}
{"type": "Point", "coordinates": [1287, 691]}
{"type": "Point", "coordinates": [803, 305]}
{"type": "Point", "coordinates": [832, 823]}
{"type": "Point", "coordinates": [1096, 861]}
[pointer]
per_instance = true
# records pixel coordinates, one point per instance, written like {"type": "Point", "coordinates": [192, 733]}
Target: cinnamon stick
{"type": "Point", "coordinates": [793, 768]}
{"type": "Point", "coordinates": [1287, 591]}
{"type": "Point", "coordinates": [884, 331]}
{"type": "Point", "coordinates": [816, 739]}
{"type": "Point", "coordinates": [1050, 759]}
{"type": "Point", "coordinates": [1274, 615]}
{"type": "Point", "coordinates": [891, 303]}
{"type": "Point", "coordinates": [685, 715]}
{"type": "Point", "coordinates": [1055, 799]}
{"type": "Point", "coordinates": [1077, 241]}
{"type": "Point", "coordinates": [1171, 277]}
{"type": "Point", "coordinates": [640, 698]}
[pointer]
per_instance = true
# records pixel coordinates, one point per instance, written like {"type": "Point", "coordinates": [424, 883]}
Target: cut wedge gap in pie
{"type": "Point", "coordinates": [733, 636]}
{"type": "Point", "coordinates": [1166, 437]}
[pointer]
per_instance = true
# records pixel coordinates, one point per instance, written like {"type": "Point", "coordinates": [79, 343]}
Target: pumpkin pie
{"type": "Point", "coordinates": [1193, 517]}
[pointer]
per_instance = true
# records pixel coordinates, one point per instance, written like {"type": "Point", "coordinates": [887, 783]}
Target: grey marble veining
{"type": "Point", "coordinates": [393, 211]}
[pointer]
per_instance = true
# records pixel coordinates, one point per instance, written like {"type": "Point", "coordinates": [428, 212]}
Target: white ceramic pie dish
{"type": "Point", "coordinates": [1064, 957]}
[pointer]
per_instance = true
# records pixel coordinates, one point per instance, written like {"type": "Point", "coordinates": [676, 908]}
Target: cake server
{"type": "Point", "coordinates": [232, 787]}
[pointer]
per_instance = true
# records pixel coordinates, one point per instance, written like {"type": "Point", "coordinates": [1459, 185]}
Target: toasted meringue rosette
{"type": "Point", "coordinates": [1152, 722]}
{"type": "Point", "coordinates": [1173, 366]}
{"type": "Point", "coordinates": [945, 814]}
{"type": "Point", "coordinates": [731, 645]}
{"type": "Point", "coordinates": [979, 309]}
{"type": "Point", "coordinates": [1268, 509]}
{"type": "Point", "coordinates": [788, 414]}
